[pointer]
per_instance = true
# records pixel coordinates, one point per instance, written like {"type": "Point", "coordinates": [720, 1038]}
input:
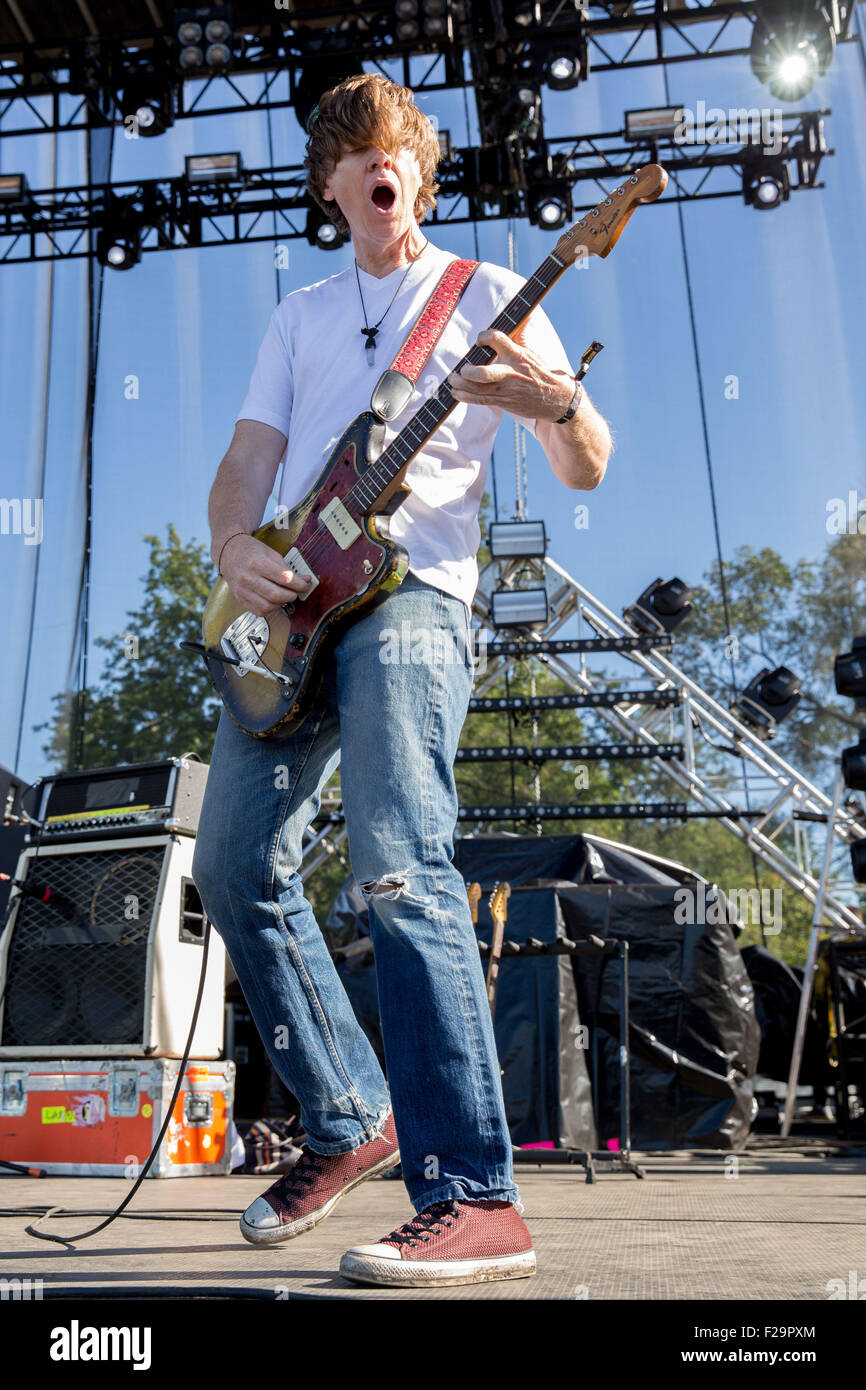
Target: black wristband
{"type": "Point", "coordinates": [575, 403]}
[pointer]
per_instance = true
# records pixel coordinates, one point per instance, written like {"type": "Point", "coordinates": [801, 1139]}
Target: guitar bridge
{"type": "Point", "coordinates": [245, 639]}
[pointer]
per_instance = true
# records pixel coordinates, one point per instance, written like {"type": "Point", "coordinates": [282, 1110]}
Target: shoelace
{"type": "Point", "coordinates": [420, 1227]}
{"type": "Point", "coordinates": [305, 1171]}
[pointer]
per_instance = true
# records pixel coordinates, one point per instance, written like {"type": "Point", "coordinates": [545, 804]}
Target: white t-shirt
{"type": "Point", "coordinates": [312, 378]}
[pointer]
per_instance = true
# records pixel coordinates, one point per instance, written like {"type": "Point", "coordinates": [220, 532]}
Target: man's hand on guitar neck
{"type": "Point", "coordinates": [521, 383]}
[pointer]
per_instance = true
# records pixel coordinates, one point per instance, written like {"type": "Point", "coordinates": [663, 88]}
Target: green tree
{"type": "Point", "coordinates": [150, 700]}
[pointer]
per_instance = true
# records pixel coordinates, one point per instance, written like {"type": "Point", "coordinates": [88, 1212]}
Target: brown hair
{"type": "Point", "coordinates": [369, 109]}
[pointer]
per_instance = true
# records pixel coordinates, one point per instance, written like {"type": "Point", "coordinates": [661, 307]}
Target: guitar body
{"type": "Point", "coordinates": [356, 568]}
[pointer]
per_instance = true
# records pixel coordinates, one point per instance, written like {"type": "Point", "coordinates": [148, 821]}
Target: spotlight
{"type": "Point", "coordinates": [118, 243]}
{"type": "Point", "coordinates": [854, 764]}
{"type": "Point", "coordinates": [321, 232]}
{"type": "Point", "coordinates": [791, 46]}
{"type": "Point", "coordinates": [767, 700]}
{"type": "Point", "coordinates": [858, 860]}
{"type": "Point", "coordinates": [551, 210]}
{"type": "Point", "coordinates": [661, 607]}
{"type": "Point", "coordinates": [517, 540]}
{"type": "Point", "coordinates": [212, 168]}
{"type": "Point", "coordinates": [13, 189]}
{"type": "Point", "coordinates": [148, 99]}
{"type": "Point", "coordinates": [766, 187]}
{"type": "Point", "coordinates": [519, 608]}
{"type": "Point", "coordinates": [203, 38]}
{"type": "Point", "coordinates": [436, 18]}
{"type": "Point", "coordinates": [849, 670]}
{"type": "Point", "coordinates": [564, 70]}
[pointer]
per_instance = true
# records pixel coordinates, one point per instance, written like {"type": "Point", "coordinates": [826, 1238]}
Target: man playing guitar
{"type": "Point", "coordinates": [393, 727]}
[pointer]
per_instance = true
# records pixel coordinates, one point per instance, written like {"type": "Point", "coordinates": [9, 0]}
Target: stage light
{"type": "Point", "coordinates": [849, 670]}
{"type": "Point", "coordinates": [319, 75]}
{"type": "Point", "coordinates": [766, 187]}
{"type": "Point", "coordinates": [653, 123]}
{"type": "Point", "coordinates": [148, 100]}
{"type": "Point", "coordinates": [767, 700]}
{"type": "Point", "coordinates": [563, 72]}
{"type": "Point", "coordinates": [321, 232]}
{"type": "Point", "coordinates": [212, 168]}
{"type": "Point", "coordinates": [118, 243]}
{"type": "Point", "coordinates": [551, 210]}
{"type": "Point", "coordinates": [517, 540]}
{"type": "Point", "coordinates": [13, 189]}
{"type": "Point", "coordinates": [792, 45]}
{"type": "Point", "coordinates": [854, 764]}
{"type": "Point", "coordinates": [519, 608]}
{"type": "Point", "coordinates": [204, 38]}
{"type": "Point", "coordinates": [445, 150]}
{"type": "Point", "coordinates": [521, 115]}
{"type": "Point", "coordinates": [858, 860]}
{"type": "Point", "coordinates": [661, 607]}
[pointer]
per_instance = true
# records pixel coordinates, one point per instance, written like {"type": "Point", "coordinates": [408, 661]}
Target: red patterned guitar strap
{"type": "Point", "coordinates": [390, 395]}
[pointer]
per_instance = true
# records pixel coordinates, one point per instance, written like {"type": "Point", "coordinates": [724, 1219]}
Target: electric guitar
{"type": "Point", "coordinates": [268, 670]}
{"type": "Point", "coordinates": [499, 912]}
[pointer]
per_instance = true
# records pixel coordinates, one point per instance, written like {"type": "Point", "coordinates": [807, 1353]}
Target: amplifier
{"type": "Point", "coordinates": [132, 799]}
{"type": "Point", "coordinates": [103, 950]}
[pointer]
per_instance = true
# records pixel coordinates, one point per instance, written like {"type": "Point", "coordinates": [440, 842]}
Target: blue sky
{"type": "Point", "coordinates": [779, 299]}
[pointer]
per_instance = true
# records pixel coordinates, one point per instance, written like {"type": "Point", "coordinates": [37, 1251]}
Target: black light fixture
{"type": "Point", "coordinates": [767, 700]}
{"type": "Point", "coordinates": [436, 19]}
{"type": "Point", "coordinates": [322, 70]}
{"type": "Point", "coordinates": [653, 123]}
{"type": "Point", "coordinates": [118, 243]}
{"type": "Point", "coordinates": [565, 67]}
{"type": "Point", "coordinates": [858, 860]}
{"type": "Point", "coordinates": [204, 38]}
{"type": "Point", "coordinates": [849, 672]}
{"type": "Point", "coordinates": [766, 182]}
{"type": "Point", "coordinates": [147, 100]}
{"type": "Point", "coordinates": [212, 168]}
{"type": "Point", "coordinates": [854, 764]}
{"type": "Point", "coordinates": [661, 607]}
{"type": "Point", "coordinates": [792, 45]}
{"type": "Point", "coordinates": [551, 207]}
{"type": "Point", "coordinates": [517, 540]}
{"type": "Point", "coordinates": [13, 189]}
{"type": "Point", "coordinates": [408, 27]}
{"type": "Point", "coordinates": [519, 608]}
{"type": "Point", "coordinates": [320, 231]}
{"type": "Point", "coordinates": [521, 114]}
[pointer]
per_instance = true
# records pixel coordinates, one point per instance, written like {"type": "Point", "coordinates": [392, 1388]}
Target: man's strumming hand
{"type": "Point", "coordinates": [258, 577]}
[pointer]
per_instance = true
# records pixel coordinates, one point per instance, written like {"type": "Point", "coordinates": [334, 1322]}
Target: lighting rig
{"type": "Point", "coordinates": [475, 185]}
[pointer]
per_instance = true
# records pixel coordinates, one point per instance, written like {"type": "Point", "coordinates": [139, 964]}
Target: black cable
{"type": "Point", "coordinates": [53, 1211]}
{"type": "Point", "coordinates": [478, 258]}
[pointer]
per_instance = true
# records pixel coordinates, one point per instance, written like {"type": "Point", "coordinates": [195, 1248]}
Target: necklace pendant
{"type": "Point", "coordinates": [370, 341]}
{"type": "Point", "coordinates": [371, 354]}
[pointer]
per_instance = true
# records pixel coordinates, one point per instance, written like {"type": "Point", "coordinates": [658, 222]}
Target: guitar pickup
{"type": "Point", "coordinates": [341, 524]}
{"type": "Point", "coordinates": [298, 565]}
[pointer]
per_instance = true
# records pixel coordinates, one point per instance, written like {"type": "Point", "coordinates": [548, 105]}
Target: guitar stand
{"type": "Point", "coordinates": [592, 1160]}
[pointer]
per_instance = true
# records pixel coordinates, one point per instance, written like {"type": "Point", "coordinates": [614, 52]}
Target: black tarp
{"type": "Point", "coordinates": [694, 1033]}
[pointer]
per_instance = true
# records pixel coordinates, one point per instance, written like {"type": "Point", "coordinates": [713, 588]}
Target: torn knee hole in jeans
{"type": "Point", "coordinates": [390, 886]}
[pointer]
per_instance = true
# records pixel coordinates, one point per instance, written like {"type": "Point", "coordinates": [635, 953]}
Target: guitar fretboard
{"type": "Point", "coordinates": [429, 417]}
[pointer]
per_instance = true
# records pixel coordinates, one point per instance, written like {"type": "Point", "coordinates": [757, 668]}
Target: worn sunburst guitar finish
{"type": "Point", "coordinates": [268, 670]}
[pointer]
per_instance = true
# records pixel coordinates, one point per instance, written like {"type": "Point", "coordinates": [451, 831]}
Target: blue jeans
{"type": "Point", "coordinates": [390, 714]}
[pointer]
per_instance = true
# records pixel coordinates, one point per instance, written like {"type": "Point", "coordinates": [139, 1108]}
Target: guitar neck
{"type": "Point", "coordinates": [400, 452]}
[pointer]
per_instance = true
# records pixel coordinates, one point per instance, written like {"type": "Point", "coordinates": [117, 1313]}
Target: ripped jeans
{"type": "Point", "coordinates": [390, 714]}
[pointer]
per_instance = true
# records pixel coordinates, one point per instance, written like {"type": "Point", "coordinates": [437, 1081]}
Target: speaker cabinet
{"type": "Point", "coordinates": [110, 964]}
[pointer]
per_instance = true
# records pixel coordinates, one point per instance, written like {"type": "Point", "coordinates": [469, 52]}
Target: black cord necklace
{"type": "Point", "coordinates": [369, 331]}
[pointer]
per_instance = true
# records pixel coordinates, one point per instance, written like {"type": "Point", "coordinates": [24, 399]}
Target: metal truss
{"type": "Point", "coordinates": [62, 84]}
{"type": "Point", "coordinates": [272, 204]}
{"type": "Point", "coordinates": [789, 799]}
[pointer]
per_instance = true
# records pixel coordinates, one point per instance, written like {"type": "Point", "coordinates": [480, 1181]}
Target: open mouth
{"type": "Point", "coordinates": [383, 197]}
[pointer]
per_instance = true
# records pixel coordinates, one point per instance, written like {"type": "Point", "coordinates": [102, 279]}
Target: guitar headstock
{"type": "Point", "coordinates": [598, 231]}
{"type": "Point", "coordinates": [474, 894]}
{"type": "Point", "coordinates": [498, 900]}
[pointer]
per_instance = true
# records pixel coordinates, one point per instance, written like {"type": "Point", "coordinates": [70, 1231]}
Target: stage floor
{"type": "Point", "coordinates": [793, 1219]}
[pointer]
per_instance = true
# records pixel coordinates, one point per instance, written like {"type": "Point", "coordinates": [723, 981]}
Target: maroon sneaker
{"type": "Point", "coordinates": [448, 1243]}
{"type": "Point", "coordinates": [309, 1192]}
